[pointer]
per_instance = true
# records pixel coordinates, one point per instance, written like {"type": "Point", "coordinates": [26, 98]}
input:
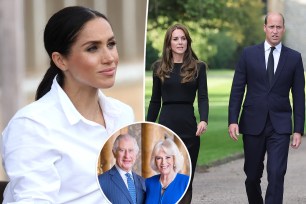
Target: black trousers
{"type": "Point", "coordinates": [193, 147]}
{"type": "Point", "coordinates": [276, 146]}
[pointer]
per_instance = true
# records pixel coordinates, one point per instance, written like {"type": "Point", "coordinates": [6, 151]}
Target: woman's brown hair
{"type": "Point", "coordinates": [189, 70]}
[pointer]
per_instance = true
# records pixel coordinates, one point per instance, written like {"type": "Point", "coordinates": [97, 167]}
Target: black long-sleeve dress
{"type": "Point", "coordinates": [175, 102]}
{"type": "Point", "coordinates": [177, 111]}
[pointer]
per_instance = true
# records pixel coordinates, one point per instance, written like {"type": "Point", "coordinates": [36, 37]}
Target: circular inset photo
{"type": "Point", "coordinates": [144, 163]}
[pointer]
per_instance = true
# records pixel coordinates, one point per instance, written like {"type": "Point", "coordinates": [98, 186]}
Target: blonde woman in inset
{"type": "Point", "coordinates": [169, 185]}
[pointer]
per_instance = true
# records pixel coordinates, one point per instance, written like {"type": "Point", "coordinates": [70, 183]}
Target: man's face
{"type": "Point", "coordinates": [274, 29]}
{"type": "Point", "coordinates": [126, 154]}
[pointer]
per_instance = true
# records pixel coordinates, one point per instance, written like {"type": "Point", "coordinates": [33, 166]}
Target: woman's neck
{"type": "Point", "coordinates": [86, 101]}
{"type": "Point", "coordinates": [177, 58]}
{"type": "Point", "coordinates": [166, 179]}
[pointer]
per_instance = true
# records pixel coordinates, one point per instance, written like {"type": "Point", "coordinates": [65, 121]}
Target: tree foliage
{"type": "Point", "coordinates": [151, 54]}
{"type": "Point", "coordinates": [219, 29]}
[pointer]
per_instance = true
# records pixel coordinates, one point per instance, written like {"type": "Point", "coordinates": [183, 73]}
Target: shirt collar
{"type": "Point", "coordinates": [69, 110]}
{"type": "Point", "coordinates": [122, 172]}
{"type": "Point", "coordinates": [110, 110]}
{"type": "Point", "coordinates": [278, 47]}
{"type": "Point", "coordinates": [109, 107]}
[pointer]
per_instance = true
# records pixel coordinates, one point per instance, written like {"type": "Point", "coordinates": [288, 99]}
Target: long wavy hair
{"type": "Point", "coordinates": [189, 70]}
{"type": "Point", "coordinates": [60, 34]}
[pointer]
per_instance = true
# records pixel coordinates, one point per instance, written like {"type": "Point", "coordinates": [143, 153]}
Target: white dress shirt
{"type": "Point", "coordinates": [50, 150]}
{"type": "Point", "coordinates": [276, 53]}
{"type": "Point", "coordinates": [123, 176]}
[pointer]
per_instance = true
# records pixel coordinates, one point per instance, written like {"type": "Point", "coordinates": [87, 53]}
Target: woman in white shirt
{"type": "Point", "coordinates": [50, 147]}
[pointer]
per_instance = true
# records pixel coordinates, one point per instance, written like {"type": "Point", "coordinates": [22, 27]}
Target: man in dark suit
{"type": "Point", "coordinates": [265, 120]}
{"type": "Point", "coordinates": [120, 184]}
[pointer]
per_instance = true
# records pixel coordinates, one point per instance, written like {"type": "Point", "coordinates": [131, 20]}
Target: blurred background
{"type": "Point", "coordinates": [23, 59]}
{"type": "Point", "coordinates": [220, 30]}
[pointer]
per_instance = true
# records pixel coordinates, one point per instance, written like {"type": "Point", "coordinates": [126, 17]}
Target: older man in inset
{"type": "Point", "coordinates": [120, 184]}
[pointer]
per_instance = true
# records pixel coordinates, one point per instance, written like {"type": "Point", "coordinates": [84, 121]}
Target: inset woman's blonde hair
{"type": "Point", "coordinates": [170, 148]}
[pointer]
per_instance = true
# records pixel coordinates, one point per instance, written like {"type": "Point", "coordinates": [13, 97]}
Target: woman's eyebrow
{"type": "Point", "coordinates": [97, 41]}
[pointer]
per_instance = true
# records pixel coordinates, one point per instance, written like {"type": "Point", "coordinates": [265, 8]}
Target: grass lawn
{"type": "Point", "coordinates": [215, 143]}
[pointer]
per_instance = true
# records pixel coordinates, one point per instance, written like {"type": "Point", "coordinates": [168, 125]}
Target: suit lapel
{"type": "Point", "coordinates": [138, 186]}
{"type": "Point", "coordinates": [281, 63]}
{"type": "Point", "coordinates": [262, 61]}
{"type": "Point", "coordinates": [118, 181]}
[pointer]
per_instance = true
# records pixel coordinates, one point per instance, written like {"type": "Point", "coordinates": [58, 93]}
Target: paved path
{"type": "Point", "coordinates": [224, 184]}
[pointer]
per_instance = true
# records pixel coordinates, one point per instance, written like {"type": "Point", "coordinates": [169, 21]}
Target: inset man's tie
{"type": "Point", "coordinates": [131, 187]}
{"type": "Point", "coordinates": [270, 66]}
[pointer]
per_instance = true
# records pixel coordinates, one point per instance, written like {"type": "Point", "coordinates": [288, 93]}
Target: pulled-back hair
{"type": "Point", "coordinates": [60, 34]}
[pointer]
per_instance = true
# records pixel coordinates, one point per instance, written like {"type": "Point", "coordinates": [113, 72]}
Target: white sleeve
{"type": "Point", "coordinates": [29, 158]}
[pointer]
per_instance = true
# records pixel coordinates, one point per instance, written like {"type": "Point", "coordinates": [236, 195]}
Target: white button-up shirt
{"type": "Point", "coordinates": [50, 150]}
{"type": "Point", "coordinates": [276, 53]}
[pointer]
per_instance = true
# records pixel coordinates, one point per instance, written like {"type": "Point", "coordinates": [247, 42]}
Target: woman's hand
{"type": "Point", "coordinates": [202, 127]}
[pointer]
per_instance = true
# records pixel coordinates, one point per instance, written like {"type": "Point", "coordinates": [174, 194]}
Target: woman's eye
{"type": "Point", "coordinates": [92, 48]}
{"type": "Point", "coordinates": [111, 44]}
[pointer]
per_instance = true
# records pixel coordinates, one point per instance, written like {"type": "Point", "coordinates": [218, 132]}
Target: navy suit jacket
{"type": "Point", "coordinates": [261, 99]}
{"type": "Point", "coordinates": [115, 189]}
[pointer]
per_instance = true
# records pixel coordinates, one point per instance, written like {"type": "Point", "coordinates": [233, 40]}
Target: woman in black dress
{"type": "Point", "coordinates": [177, 78]}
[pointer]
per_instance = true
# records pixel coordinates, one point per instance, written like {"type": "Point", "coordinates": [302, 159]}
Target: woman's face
{"type": "Point", "coordinates": [178, 42]}
{"type": "Point", "coordinates": [93, 58]}
{"type": "Point", "coordinates": [164, 163]}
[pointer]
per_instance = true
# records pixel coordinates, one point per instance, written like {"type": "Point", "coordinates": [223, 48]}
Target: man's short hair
{"type": "Point", "coordinates": [266, 18]}
{"type": "Point", "coordinates": [125, 136]}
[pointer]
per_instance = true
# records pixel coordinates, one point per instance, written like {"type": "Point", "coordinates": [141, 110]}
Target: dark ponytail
{"type": "Point", "coordinates": [45, 85]}
{"type": "Point", "coordinates": [60, 33]}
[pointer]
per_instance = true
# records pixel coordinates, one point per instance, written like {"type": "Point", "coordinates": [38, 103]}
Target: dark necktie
{"type": "Point", "coordinates": [131, 187]}
{"type": "Point", "coordinates": [270, 66]}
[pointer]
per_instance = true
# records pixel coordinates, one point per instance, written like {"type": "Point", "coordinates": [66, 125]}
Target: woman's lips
{"type": "Point", "coordinates": [108, 71]}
